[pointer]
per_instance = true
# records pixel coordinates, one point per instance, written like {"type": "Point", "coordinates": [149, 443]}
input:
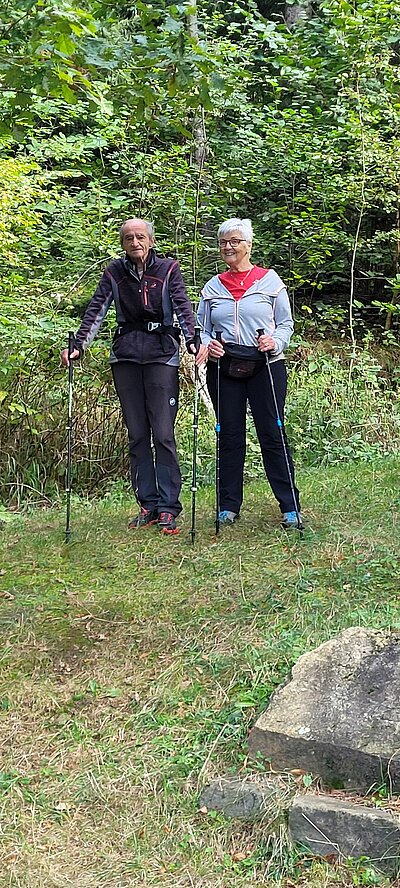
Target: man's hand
{"type": "Point", "coordinates": [65, 356]}
{"type": "Point", "coordinates": [201, 356]}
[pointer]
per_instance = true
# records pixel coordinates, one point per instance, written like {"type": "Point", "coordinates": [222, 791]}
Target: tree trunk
{"type": "Point", "coordinates": [395, 296]}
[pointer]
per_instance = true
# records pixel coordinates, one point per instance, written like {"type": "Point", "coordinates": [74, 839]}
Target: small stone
{"type": "Point", "coordinates": [62, 719]}
{"type": "Point", "coordinates": [335, 828]}
{"type": "Point", "coordinates": [243, 799]}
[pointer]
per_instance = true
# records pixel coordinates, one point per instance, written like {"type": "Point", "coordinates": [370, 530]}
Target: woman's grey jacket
{"type": "Point", "coordinates": [264, 305]}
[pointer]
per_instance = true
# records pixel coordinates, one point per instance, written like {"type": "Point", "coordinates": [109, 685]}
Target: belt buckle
{"type": "Point", "coordinates": [153, 325]}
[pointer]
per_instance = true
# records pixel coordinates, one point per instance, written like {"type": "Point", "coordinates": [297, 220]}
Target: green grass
{"type": "Point", "coordinates": [133, 666]}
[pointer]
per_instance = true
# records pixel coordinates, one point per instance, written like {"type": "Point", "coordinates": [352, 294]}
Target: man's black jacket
{"type": "Point", "coordinates": [155, 297]}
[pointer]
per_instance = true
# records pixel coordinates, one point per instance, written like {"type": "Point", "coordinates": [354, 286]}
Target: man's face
{"type": "Point", "coordinates": [136, 240]}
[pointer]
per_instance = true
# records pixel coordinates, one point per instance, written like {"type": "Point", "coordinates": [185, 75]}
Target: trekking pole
{"type": "Point", "coordinates": [279, 423]}
{"type": "Point", "coordinates": [68, 475]}
{"type": "Point", "coordinates": [218, 336]}
{"type": "Point", "coordinates": [195, 426]}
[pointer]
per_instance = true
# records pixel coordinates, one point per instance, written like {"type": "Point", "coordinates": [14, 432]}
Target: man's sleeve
{"type": "Point", "coordinates": [204, 320]}
{"type": "Point", "coordinates": [95, 313]}
{"type": "Point", "coordinates": [181, 303]}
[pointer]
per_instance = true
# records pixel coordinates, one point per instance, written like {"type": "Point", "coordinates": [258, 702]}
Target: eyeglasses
{"type": "Point", "coordinates": [233, 241]}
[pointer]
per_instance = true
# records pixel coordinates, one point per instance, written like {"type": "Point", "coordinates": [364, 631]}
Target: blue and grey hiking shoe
{"type": "Point", "coordinates": [145, 518]}
{"type": "Point", "coordinates": [292, 521]}
{"type": "Point", "coordinates": [227, 517]}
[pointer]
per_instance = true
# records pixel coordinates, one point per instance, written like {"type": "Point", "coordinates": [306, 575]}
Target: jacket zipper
{"type": "Point", "coordinates": [237, 327]}
{"type": "Point", "coordinates": [145, 299]}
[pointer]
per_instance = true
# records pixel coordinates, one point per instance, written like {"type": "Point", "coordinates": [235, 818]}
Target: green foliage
{"type": "Point", "coordinates": [298, 122]}
{"type": "Point", "coordinates": [339, 410]}
{"type": "Point", "coordinates": [18, 221]}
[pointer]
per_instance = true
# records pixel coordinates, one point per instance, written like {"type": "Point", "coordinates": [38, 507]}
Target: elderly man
{"type": "Point", "coordinates": [147, 292]}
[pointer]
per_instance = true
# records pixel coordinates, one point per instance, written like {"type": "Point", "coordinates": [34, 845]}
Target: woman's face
{"type": "Point", "coordinates": [234, 248]}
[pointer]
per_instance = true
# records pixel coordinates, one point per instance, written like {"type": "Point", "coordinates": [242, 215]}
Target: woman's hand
{"type": "Point", "coordinates": [266, 343]}
{"type": "Point", "coordinates": [201, 356]}
{"type": "Point", "coordinates": [215, 349]}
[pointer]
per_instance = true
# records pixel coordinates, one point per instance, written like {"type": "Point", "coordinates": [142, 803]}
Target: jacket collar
{"type": "Point", "coordinates": [131, 267]}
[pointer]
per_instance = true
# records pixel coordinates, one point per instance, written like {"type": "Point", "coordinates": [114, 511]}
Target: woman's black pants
{"type": "Point", "coordinates": [148, 394]}
{"type": "Point", "coordinates": [234, 394]}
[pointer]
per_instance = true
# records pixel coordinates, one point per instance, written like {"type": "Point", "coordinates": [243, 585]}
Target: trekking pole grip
{"type": "Point", "coordinates": [71, 343]}
{"type": "Point", "coordinates": [218, 335]}
{"type": "Point", "coordinates": [260, 332]}
{"type": "Point", "coordinates": [197, 337]}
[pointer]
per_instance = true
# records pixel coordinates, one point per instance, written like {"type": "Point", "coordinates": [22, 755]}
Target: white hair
{"type": "Point", "coordinates": [149, 226]}
{"type": "Point", "coordinates": [244, 226]}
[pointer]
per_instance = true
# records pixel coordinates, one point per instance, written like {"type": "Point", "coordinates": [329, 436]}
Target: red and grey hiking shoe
{"type": "Point", "coordinates": [145, 518]}
{"type": "Point", "coordinates": [167, 523]}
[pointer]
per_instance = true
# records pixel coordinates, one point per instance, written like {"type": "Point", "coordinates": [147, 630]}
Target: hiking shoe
{"type": "Point", "coordinates": [227, 517]}
{"type": "Point", "coordinates": [291, 521]}
{"type": "Point", "coordinates": [167, 523]}
{"type": "Point", "coordinates": [145, 518]}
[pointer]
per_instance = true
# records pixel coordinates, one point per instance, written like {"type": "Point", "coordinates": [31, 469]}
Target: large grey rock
{"type": "Point", "coordinates": [339, 715]}
{"type": "Point", "coordinates": [344, 829]}
{"type": "Point", "coordinates": [245, 799]}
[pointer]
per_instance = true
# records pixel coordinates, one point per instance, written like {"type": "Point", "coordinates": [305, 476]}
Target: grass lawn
{"type": "Point", "coordinates": [133, 665]}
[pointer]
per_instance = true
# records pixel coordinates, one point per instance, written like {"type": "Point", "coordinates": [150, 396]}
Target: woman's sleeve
{"type": "Point", "coordinates": [283, 321]}
{"type": "Point", "coordinates": [204, 320]}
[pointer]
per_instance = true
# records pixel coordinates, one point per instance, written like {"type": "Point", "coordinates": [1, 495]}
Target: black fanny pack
{"type": "Point", "coordinates": [241, 361]}
{"type": "Point", "coordinates": [162, 342]}
{"type": "Point", "coordinates": [147, 327]}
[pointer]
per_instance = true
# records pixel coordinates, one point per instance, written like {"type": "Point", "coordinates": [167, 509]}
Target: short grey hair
{"type": "Point", "coordinates": [149, 226]}
{"type": "Point", "coordinates": [244, 226]}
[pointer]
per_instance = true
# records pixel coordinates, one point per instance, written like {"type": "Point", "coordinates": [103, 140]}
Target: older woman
{"type": "Point", "coordinates": [237, 305]}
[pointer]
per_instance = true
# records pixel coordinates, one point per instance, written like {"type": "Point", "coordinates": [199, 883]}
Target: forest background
{"type": "Point", "coordinates": [187, 114]}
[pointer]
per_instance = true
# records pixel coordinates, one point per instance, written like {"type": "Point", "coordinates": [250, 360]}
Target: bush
{"type": "Point", "coordinates": [339, 409]}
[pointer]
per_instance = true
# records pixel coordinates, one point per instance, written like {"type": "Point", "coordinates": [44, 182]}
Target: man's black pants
{"type": "Point", "coordinates": [234, 394]}
{"type": "Point", "coordinates": [149, 399]}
